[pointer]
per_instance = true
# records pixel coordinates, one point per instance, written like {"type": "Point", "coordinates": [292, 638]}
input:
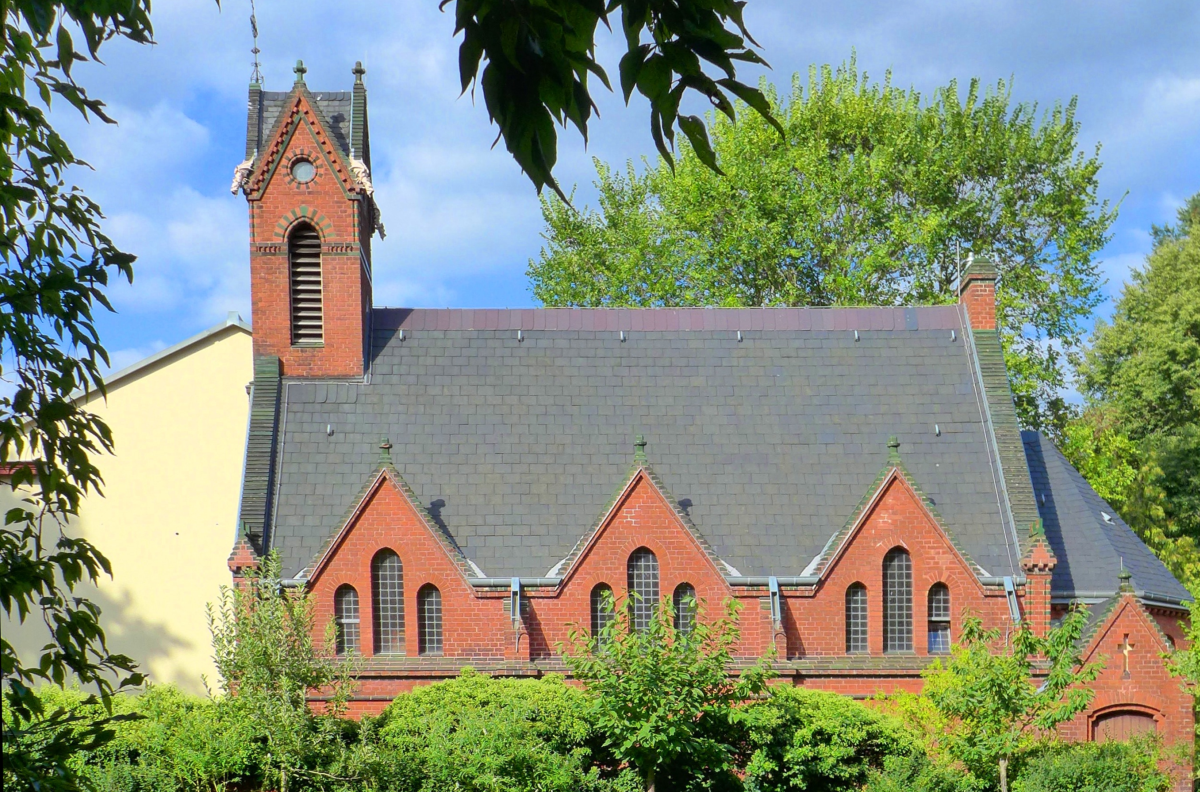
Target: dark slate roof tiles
{"type": "Point", "coordinates": [768, 444]}
{"type": "Point", "coordinates": [1089, 548]}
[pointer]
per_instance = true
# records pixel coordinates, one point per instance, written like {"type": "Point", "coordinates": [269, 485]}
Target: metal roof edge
{"type": "Point", "coordinates": [233, 320]}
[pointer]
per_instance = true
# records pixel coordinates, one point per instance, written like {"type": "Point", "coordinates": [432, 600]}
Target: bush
{"type": "Point", "coordinates": [478, 734]}
{"type": "Point", "coordinates": [918, 773]}
{"type": "Point", "coordinates": [1093, 767]}
{"type": "Point", "coordinates": [820, 742]}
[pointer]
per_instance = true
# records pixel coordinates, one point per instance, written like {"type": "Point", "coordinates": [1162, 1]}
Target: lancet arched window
{"type": "Point", "coordinates": [345, 619]}
{"type": "Point", "coordinates": [897, 601]}
{"type": "Point", "coordinates": [643, 587]}
{"type": "Point", "coordinates": [387, 602]}
{"type": "Point", "coordinates": [856, 619]}
{"type": "Point", "coordinates": [602, 610]}
{"type": "Point", "coordinates": [684, 602]}
{"type": "Point", "coordinates": [939, 619]}
{"type": "Point", "coordinates": [429, 620]}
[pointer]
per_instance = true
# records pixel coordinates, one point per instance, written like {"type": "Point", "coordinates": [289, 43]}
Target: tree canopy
{"type": "Point", "coordinates": [1138, 441]}
{"type": "Point", "coordinates": [874, 196]}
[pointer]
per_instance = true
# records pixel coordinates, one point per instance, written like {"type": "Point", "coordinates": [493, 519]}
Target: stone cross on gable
{"type": "Point", "coordinates": [1125, 648]}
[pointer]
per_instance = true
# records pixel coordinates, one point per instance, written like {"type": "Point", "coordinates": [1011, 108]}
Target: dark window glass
{"type": "Point", "coordinates": [387, 602]}
{"type": "Point", "coordinates": [939, 619]}
{"type": "Point", "coordinates": [304, 272]}
{"type": "Point", "coordinates": [602, 610]}
{"type": "Point", "coordinates": [684, 602]}
{"type": "Point", "coordinates": [856, 618]}
{"type": "Point", "coordinates": [643, 587]}
{"type": "Point", "coordinates": [429, 621]}
{"type": "Point", "coordinates": [897, 601]}
{"type": "Point", "coordinates": [345, 619]}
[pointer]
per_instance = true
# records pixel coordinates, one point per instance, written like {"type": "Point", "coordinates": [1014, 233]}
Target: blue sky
{"type": "Point", "coordinates": [463, 222]}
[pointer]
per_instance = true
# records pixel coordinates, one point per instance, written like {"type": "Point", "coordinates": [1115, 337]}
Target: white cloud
{"type": "Point", "coordinates": [123, 358]}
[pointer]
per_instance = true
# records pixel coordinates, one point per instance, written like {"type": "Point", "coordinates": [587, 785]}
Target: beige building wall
{"type": "Point", "coordinates": [167, 520]}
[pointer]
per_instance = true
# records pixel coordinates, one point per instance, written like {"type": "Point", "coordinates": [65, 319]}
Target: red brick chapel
{"type": "Point", "coordinates": [459, 487]}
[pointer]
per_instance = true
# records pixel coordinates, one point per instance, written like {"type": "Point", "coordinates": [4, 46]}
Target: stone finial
{"type": "Point", "coordinates": [639, 450]}
{"type": "Point", "coordinates": [385, 452]}
{"type": "Point", "coordinates": [358, 71]}
{"type": "Point", "coordinates": [893, 445]}
{"type": "Point", "coordinates": [1126, 584]}
{"type": "Point", "coordinates": [300, 72]}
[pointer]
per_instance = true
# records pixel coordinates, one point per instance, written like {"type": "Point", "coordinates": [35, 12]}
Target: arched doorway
{"type": "Point", "coordinates": [1122, 724]}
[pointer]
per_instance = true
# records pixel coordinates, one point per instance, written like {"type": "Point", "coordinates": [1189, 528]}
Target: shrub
{"type": "Point", "coordinates": [1093, 767]}
{"type": "Point", "coordinates": [820, 742]}
{"type": "Point", "coordinates": [478, 734]}
{"type": "Point", "coordinates": [918, 773]}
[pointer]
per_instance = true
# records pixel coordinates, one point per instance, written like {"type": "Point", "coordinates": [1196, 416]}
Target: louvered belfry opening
{"type": "Point", "coordinates": [304, 265]}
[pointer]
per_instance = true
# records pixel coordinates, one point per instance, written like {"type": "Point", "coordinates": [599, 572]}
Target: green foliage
{"type": "Point", "coordinates": [539, 56]}
{"type": "Point", "coordinates": [1093, 767]}
{"type": "Point", "coordinates": [57, 264]}
{"type": "Point", "coordinates": [479, 734]}
{"type": "Point", "coordinates": [813, 741]}
{"type": "Point", "coordinates": [866, 201]}
{"type": "Point", "coordinates": [264, 651]}
{"type": "Point", "coordinates": [918, 773]}
{"type": "Point", "coordinates": [994, 706]}
{"type": "Point", "coordinates": [1142, 375]}
{"type": "Point", "coordinates": [667, 702]}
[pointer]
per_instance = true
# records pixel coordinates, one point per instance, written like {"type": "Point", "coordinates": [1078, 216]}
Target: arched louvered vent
{"type": "Point", "coordinates": [304, 264]}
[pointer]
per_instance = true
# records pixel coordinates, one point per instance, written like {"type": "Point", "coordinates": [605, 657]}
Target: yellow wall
{"type": "Point", "coordinates": [168, 518]}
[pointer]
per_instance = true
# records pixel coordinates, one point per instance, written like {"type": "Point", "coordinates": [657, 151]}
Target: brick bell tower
{"type": "Point", "coordinates": [307, 181]}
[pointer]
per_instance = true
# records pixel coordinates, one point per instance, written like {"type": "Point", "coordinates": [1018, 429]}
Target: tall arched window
{"type": "Point", "coordinates": [643, 587]}
{"type": "Point", "coordinates": [602, 610]}
{"type": "Point", "coordinates": [345, 620]}
{"type": "Point", "coordinates": [304, 271]}
{"type": "Point", "coordinates": [856, 619]}
{"type": "Point", "coordinates": [684, 602]}
{"type": "Point", "coordinates": [939, 619]}
{"type": "Point", "coordinates": [429, 620]}
{"type": "Point", "coordinates": [897, 601]}
{"type": "Point", "coordinates": [387, 602]}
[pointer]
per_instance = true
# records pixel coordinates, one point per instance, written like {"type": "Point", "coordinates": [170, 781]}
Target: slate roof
{"type": "Point", "coordinates": [1090, 548]}
{"type": "Point", "coordinates": [769, 443]}
{"type": "Point", "coordinates": [335, 106]}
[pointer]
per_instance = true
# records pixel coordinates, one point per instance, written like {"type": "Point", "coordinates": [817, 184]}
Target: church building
{"type": "Point", "coordinates": [462, 487]}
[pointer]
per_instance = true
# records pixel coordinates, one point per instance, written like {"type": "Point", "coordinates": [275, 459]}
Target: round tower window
{"type": "Point", "coordinates": [303, 171]}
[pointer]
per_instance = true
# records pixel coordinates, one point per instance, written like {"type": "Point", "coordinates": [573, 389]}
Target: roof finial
{"type": "Point", "coordinates": [300, 71]}
{"type": "Point", "coordinates": [358, 71]}
{"type": "Point", "coordinates": [893, 445]}
{"type": "Point", "coordinates": [385, 452]}
{"type": "Point", "coordinates": [1125, 577]}
{"type": "Point", "coordinates": [256, 75]}
{"type": "Point", "coordinates": [1037, 528]}
{"type": "Point", "coordinates": [639, 450]}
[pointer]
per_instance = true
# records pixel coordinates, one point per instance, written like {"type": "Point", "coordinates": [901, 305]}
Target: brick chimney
{"type": "Point", "coordinates": [977, 292]}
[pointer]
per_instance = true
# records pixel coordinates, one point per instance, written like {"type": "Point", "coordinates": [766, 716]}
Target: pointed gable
{"type": "Point", "coordinates": [300, 115]}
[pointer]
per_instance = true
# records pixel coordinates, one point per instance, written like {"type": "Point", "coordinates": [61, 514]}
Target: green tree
{"type": "Point", "coordinates": [667, 701]}
{"type": "Point", "coordinates": [264, 649]}
{"type": "Point", "coordinates": [539, 56]}
{"type": "Point", "coordinates": [868, 199]}
{"type": "Point", "coordinates": [995, 706]}
{"type": "Point", "coordinates": [1141, 380]}
{"type": "Point", "coordinates": [57, 264]}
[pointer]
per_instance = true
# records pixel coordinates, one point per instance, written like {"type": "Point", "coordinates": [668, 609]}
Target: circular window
{"type": "Point", "coordinates": [303, 171]}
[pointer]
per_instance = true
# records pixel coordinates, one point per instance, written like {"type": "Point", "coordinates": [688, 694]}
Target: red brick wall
{"type": "Point", "coordinates": [477, 629]}
{"type": "Point", "coordinates": [1140, 683]}
{"type": "Point", "coordinates": [332, 204]}
{"type": "Point", "coordinates": [979, 298]}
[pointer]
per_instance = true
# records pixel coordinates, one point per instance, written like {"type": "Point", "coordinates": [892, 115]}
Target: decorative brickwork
{"type": "Point", "coordinates": [334, 203]}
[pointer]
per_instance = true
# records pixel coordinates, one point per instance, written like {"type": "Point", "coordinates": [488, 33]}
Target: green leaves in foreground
{"type": "Point", "coordinates": [537, 56]}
